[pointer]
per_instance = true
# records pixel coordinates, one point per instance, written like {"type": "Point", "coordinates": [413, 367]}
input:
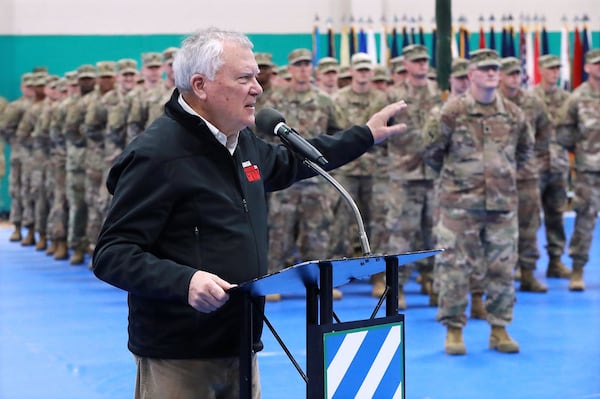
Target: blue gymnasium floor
{"type": "Point", "coordinates": [63, 336]}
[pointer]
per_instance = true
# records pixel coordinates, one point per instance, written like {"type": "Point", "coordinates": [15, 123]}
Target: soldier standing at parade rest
{"type": "Point", "coordinates": [24, 131]}
{"type": "Point", "coordinates": [12, 115]}
{"type": "Point", "coordinates": [528, 178]}
{"type": "Point", "coordinates": [579, 131]}
{"type": "Point", "coordinates": [74, 134]}
{"type": "Point", "coordinates": [354, 104]}
{"type": "Point", "coordinates": [553, 177]}
{"type": "Point", "coordinates": [482, 140]}
{"type": "Point", "coordinates": [300, 216]}
{"type": "Point", "coordinates": [328, 69]}
{"type": "Point", "coordinates": [58, 218]}
{"type": "Point", "coordinates": [410, 206]}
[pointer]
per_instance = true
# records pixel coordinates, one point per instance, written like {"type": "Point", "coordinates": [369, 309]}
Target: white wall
{"type": "Point", "coordinates": [26, 17]}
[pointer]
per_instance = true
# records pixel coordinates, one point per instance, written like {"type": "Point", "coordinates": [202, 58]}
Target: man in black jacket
{"type": "Point", "coordinates": [188, 218]}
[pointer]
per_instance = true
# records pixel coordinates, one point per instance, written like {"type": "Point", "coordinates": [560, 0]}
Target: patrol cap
{"type": "Point", "coordinates": [127, 65]}
{"type": "Point", "coordinates": [169, 55]}
{"type": "Point", "coordinates": [549, 61]}
{"type": "Point", "coordinates": [415, 52]}
{"type": "Point", "coordinates": [361, 61]}
{"type": "Point", "coordinates": [510, 65]}
{"type": "Point", "coordinates": [264, 59]}
{"type": "Point", "coordinates": [40, 69]}
{"type": "Point", "coordinates": [152, 59]}
{"type": "Point", "coordinates": [86, 71]}
{"type": "Point", "coordinates": [106, 69]}
{"type": "Point", "coordinates": [396, 61]}
{"type": "Point", "coordinates": [484, 57]}
{"type": "Point", "coordinates": [300, 54]}
{"type": "Point", "coordinates": [459, 68]}
{"type": "Point", "coordinates": [328, 64]}
{"type": "Point", "coordinates": [51, 80]}
{"type": "Point", "coordinates": [381, 73]}
{"type": "Point", "coordinates": [61, 85]}
{"type": "Point", "coordinates": [71, 78]}
{"type": "Point", "coordinates": [284, 73]}
{"type": "Point", "coordinates": [140, 79]}
{"type": "Point", "coordinates": [27, 78]}
{"type": "Point", "coordinates": [432, 74]}
{"type": "Point", "coordinates": [400, 68]}
{"type": "Point", "coordinates": [344, 72]}
{"type": "Point", "coordinates": [592, 56]}
{"type": "Point", "coordinates": [39, 79]}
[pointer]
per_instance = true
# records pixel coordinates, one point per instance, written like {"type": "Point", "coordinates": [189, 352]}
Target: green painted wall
{"type": "Point", "coordinates": [62, 53]}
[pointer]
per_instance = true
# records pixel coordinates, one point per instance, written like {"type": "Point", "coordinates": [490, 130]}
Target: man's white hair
{"type": "Point", "coordinates": [201, 53]}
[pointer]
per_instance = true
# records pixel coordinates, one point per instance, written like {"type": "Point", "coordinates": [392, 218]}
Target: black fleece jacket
{"type": "Point", "coordinates": [183, 203]}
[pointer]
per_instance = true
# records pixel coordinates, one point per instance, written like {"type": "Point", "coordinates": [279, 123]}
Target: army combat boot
{"type": "Point", "coordinates": [61, 252]}
{"type": "Point", "coordinates": [77, 258]}
{"type": "Point", "coordinates": [529, 283]}
{"type": "Point", "coordinates": [378, 281]}
{"type": "Point", "coordinates": [29, 239]}
{"type": "Point", "coordinates": [42, 243]}
{"type": "Point", "coordinates": [454, 344]}
{"type": "Point", "coordinates": [51, 248]}
{"type": "Point", "coordinates": [501, 341]}
{"type": "Point", "coordinates": [477, 307]}
{"type": "Point", "coordinates": [16, 234]}
{"type": "Point", "coordinates": [576, 282]}
{"type": "Point", "coordinates": [557, 269]}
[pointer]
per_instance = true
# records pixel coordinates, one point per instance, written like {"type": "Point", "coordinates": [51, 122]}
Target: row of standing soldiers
{"type": "Point", "coordinates": [64, 134]}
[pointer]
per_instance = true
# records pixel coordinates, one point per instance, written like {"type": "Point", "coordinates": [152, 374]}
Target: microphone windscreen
{"type": "Point", "coordinates": [266, 120]}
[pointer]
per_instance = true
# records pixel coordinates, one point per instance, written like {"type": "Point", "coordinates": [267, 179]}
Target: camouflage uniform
{"type": "Point", "coordinates": [94, 126]}
{"type": "Point", "coordinates": [76, 156]}
{"type": "Point", "coordinates": [3, 104]}
{"type": "Point", "coordinates": [8, 128]}
{"type": "Point", "coordinates": [29, 165]}
{"type": "Point", "coordinates": [58, 218]}
{"type": "Point", "coordinates": [553, 177]}
{"type": "Point", "coordinates": [477, 151]}
{"type": "Point", "coordinates": [300, 216]}
{"type": "Point", "coordinates": [579, 131]}
{"type": "Point", "coordinates": [361, 176]}
{"type": "Point", "coordinates": [410, 213]}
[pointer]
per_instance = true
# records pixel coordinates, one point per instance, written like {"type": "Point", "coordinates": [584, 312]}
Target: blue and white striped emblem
{"type": "Point", "coordinates": [364, 363]}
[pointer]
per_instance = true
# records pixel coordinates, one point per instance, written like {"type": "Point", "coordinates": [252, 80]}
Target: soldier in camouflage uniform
{"type": "Point", "coordinates": [381, 78]}
{"type": "Point", "coordinates": [482, 140]}
{"type": "Point", "coordinates": [354, 105]}
{"type": "Point", "coordinates": [9, 122]}
{"type": "Point", "coordinates": [58, 218]}
{"type": "Point", "coordinates": [579, 131]}
{"type": "Point", "coordinates": [152, 91]}
{"type": "Point", "coordinates": [40, 170]}
{"type": "Point", "coordinates": [528, 177]}
{"type": "Point", "coordinates": [94, 126]}
{"type": "Point", "coordinates": [158, 99]}
{"type": "Point", "coordinates": [29, 164]}
{"type": "Point", "coordinates": [328, 69]}
{"type": "Point", "coordinates": [553, 175]}
{"type": "Point", "coordinates": [398, 70]}
{"type": "Point", "coordinates": [3, 104]}
{"type": "Point", "coordinates": [410, 212]}
{"type": "Point", "coordinates": [73, 130]}
{"type": "Point", "coordinates": [265, 67]}
{"type": "Point", "coordinates": [301, 215]}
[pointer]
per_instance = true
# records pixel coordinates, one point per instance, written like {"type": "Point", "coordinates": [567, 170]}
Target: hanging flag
{"type": "Point", "coordinates": [466, 40]}
{"type": "Point", "coordinates": [405, 39]}
{"type": "Point", "coordinates": [481, 36]}
{"type": "Point", "coordinates": [371, 45]}
{"type": "Point", "coordinates": [524, 56]}
{"type": "Point", "coordinates": [413, 36]}
{"type": "Point", "coordinates": [565, 63]}
{"type": "Point", "coordinates": [330, 40]}
{"type": "Point", "coordinates": [353, 39]}
{"type": "Point", "coordinates": [315, 41]}
{"type": "Point", "coordinates": [536, 56]}
{"type": "Point", "coordinates": [344, 46]}
{"type": "Point", "coordinates": [384, 52]}
{"type": "Point", "coordinates": [544, 41]}
{"type": "Point", "coordinates": [421, 36]}
{"type": "Point", "coordinates": [511, 38]}
{"type": "Point", "coordinates": [454, 45]}
{"type": "Point", "coordinates": [433, 59]}
{"type": "Point", "coordinates": [492, 35]}
{"type": "Point", "coordinates": [362, 40]}
{"type": "Point", "coordinates": [394, 46]}
{"type": "Point", "coordinates": [577, 60]}
{"type": "Point", "coordinates": [586, 48]}
{"type": "Point", "coordinates": [504, 41]}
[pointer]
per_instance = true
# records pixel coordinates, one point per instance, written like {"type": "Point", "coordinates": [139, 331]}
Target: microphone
{"type": "Point", "coordinates": [270, 121]}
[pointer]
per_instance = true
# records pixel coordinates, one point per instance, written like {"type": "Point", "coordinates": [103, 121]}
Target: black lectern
{"type": "Point", "coordinates": [326, 367]}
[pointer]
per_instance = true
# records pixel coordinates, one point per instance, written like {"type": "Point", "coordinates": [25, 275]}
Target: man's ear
{"type": "Point", "coordinates": [198, 83]}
